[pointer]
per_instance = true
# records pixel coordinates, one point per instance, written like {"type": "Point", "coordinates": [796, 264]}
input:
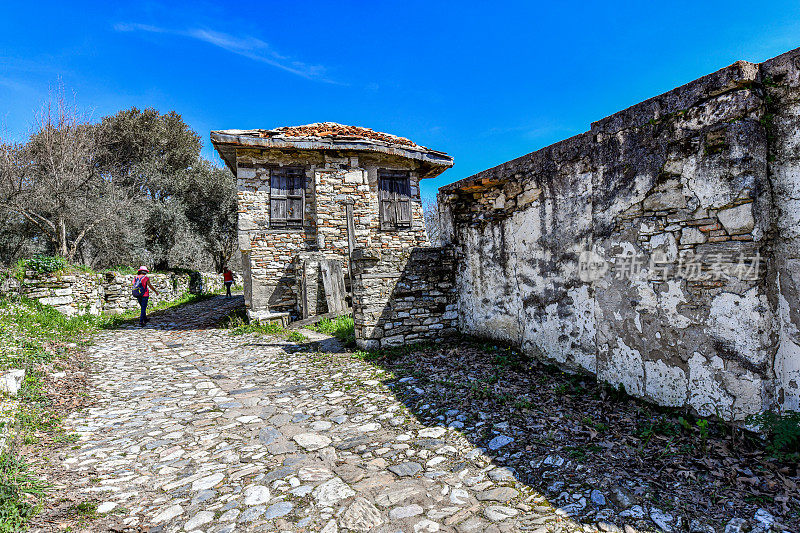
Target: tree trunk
{"type": "Point", "coordinates": [61, 244]}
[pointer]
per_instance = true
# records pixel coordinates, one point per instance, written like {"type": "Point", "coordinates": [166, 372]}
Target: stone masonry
{"type": "Point", "coordinates": [339, 164]}
{"type": "Point", "coordinates": [660, 250]}
{"type": "Point", "coordinates": [403, 297]}
{"type": "Point", "coordinates": [108, 292]}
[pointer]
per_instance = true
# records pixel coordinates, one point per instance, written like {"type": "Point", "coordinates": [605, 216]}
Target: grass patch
{"type": "Point", "coordinates": [21, 493]}
{"type": "Point", "coordinates": [32, 333]}
{"type": "Point", "coordinates": [86, 510]}
{"type": "Point", "coordinates": [342, 327]}
{"type": "Point", "coordinates": [783, 433]}
{"type": "Point", "coordinates": [238, 324]}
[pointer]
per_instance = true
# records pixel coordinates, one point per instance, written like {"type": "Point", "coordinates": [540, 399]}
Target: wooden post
{"type": "Point", "coordinates": [351, 238]}
{"type": "Point", "coordinates": [304, 289]}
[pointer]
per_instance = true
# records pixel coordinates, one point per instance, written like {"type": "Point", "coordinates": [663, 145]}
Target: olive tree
{"type": "Point", "coordinates": [209, 197]}
{"type": "Point", "coordinates": [53, 180]}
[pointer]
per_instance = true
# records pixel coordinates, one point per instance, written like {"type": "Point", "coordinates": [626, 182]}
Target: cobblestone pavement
{"type": "Point", "coordinates": [194, 429]}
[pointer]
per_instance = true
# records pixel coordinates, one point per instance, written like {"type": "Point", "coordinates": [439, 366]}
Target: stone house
{"type": "Point", "coordinates": [312, 193]}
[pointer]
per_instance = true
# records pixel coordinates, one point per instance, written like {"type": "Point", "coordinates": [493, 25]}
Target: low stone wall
{"type": "Point", "coordinates": [108, 292]}
{"type": "Point", "coordinates": [403, 297]}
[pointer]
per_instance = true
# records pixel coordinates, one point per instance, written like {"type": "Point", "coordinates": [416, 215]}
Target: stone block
{"type": "Point", "coordinates": [665, 197]}
{"type": "Point", "coordinates": [737, 220]}
{"type": "Point", "coordinates": [56, 300]}
{"type": "Point", "coordinates": [11, 381]}
{"type": "Point", "coordinates": [691, 235]}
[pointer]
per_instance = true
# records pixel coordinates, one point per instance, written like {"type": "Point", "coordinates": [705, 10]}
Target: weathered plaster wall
{"type": "Point", "coordinates": [674, 198]}
{"type": "Point", "coordinates": [403, 297]}
{"type": "Point", "coordinates": [108, 292]}
{"type": "Point", "coordinates": [331, 178]}
{"type": "Point", "coordinates": [781, 78]}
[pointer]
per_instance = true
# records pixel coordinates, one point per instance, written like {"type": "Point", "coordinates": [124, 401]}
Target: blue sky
{"type": "Point", "coordinates": [484, 82]}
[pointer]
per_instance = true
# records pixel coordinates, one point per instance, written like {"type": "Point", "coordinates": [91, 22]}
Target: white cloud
{"type": "Point", "coordinates": [246, 46]}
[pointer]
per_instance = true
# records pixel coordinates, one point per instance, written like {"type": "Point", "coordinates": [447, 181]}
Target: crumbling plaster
{"type": "Point", "coordinates": [709, 168]}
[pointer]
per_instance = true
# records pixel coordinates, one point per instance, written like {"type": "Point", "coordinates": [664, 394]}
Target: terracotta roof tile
{"type": "Point", "coordinates": [333, 129]}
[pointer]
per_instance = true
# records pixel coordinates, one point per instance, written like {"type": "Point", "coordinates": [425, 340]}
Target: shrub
{"type": "Point", "coordinates": [46, 264]}
{"type": "Point", "coordinates": [342, 327]}
{"type": "Point", "coordinates": [782, 430]}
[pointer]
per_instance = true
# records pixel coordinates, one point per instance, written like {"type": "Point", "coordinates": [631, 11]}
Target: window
{"type": "Point", "coordinates": [286, 196]}
{"type": "Point", "coordinates": [394, 194]}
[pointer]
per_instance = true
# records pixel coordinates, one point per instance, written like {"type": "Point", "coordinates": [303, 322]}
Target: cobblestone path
{"type": "Point", "coordinates": [194, 429]}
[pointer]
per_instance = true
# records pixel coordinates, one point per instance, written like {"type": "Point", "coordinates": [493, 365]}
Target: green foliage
{"type": "Point", "coordinates": [31, 332]}
{"type": "Point", "coordinates": [581, 452]}
{"type": "Point", "coordinates": [208, 194]}
{"type": "Point", "coordinates": [512, 358]}
{"type": "Point", "coordinates": [342, 327]}
{"type": "Point", "coordinates": [132, 188]}
{"type": "Point", "coordinates": [86, 509]}
{"type": "Point", "coordinates": [238, 324]}
{"type": "Point", "coordinates": [660, 425]}
{"type": "Point", "coordinates": [20, 493]}
{"type": "Point", "coordinates": [123, 269]}
{"type": "Point", "coordinates": [46, 264]}
{"type": "Point", "coordinates": [260, 328]}
{"type": "Point", "coordinates": [703, 425]}
{"type": "Point", "coordinates": [782, 430]}
{"type": "Point", "coordinates": [296, 336]}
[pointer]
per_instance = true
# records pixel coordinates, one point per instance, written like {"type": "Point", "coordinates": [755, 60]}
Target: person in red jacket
{"type": "Point", "coordinates": [227, 277]}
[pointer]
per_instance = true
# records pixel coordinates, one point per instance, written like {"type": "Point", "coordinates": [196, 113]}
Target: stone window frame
{"type": "Point", "coordinates": [394, 199]}
{"type": "Point", "coordinates": [283, 196]}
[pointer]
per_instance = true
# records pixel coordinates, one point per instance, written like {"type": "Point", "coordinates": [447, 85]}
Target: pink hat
{"type": "Point", "coordinates": [143, 269]}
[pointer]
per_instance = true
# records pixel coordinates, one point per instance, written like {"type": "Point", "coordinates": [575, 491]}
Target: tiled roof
{"type": "Point", "coordinates": [330, 130]}
{"type": "Point", "coordinates": [329, 136]}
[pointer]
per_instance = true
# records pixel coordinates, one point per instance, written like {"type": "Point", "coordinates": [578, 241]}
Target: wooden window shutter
{"type": "Point", "coordinates": [287, 196]}
{"type": "Point", "coordinates": [387, 211]}
{"type": "Point", "coordinates": [394, 196]}
{"type": "Point", "coordinates": [403, 201]}
{"type": "Point", "coordinates": [277, 198]}
{"type": "Point", "coordinates": [295, 196]}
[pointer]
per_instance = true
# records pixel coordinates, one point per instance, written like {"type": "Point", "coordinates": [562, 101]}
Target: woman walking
{"type": "Point", "coordinates": [227, 277]}
{"type": "Point", "coordinates": [141, 290]}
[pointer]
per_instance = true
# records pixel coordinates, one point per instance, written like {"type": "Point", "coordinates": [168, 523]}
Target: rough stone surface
{"type": "Point", "coordinates": [110, 292]}
{"type": "Point", "coordinates": [406, 469]}
{"type": "Point", "coordinates": [276, 257]}
{"type": "Point", "coordinates": [647, 250]}
{"type": "Point", "coordinates": [361, 515]}
{"type": "Point", "coordinates": [403, 297]}
{"type": "Point", "coordinates": [175, 439]}
{"type": "Point", "coordinates": [311, 441]}
{"type": "Point", "coordinates": [11, 381]}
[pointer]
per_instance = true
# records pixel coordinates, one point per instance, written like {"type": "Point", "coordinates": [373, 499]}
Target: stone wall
{"type": "Point", "coordinates": [331, 178]}
{"type": "Point", "coordinates": [658, 251]}
{"type": "Point", "coordinates": [781, 80]}
{"type": "Point", "coordinates": [403, 297]}
{"type": "Point", "coordinates": [107, 292]}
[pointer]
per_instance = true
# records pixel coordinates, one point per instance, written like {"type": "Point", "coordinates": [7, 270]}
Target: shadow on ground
{"type": "Point", "coordinates": [206, 314]}
{"type": "Point", "coordinates": [597, 454]}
